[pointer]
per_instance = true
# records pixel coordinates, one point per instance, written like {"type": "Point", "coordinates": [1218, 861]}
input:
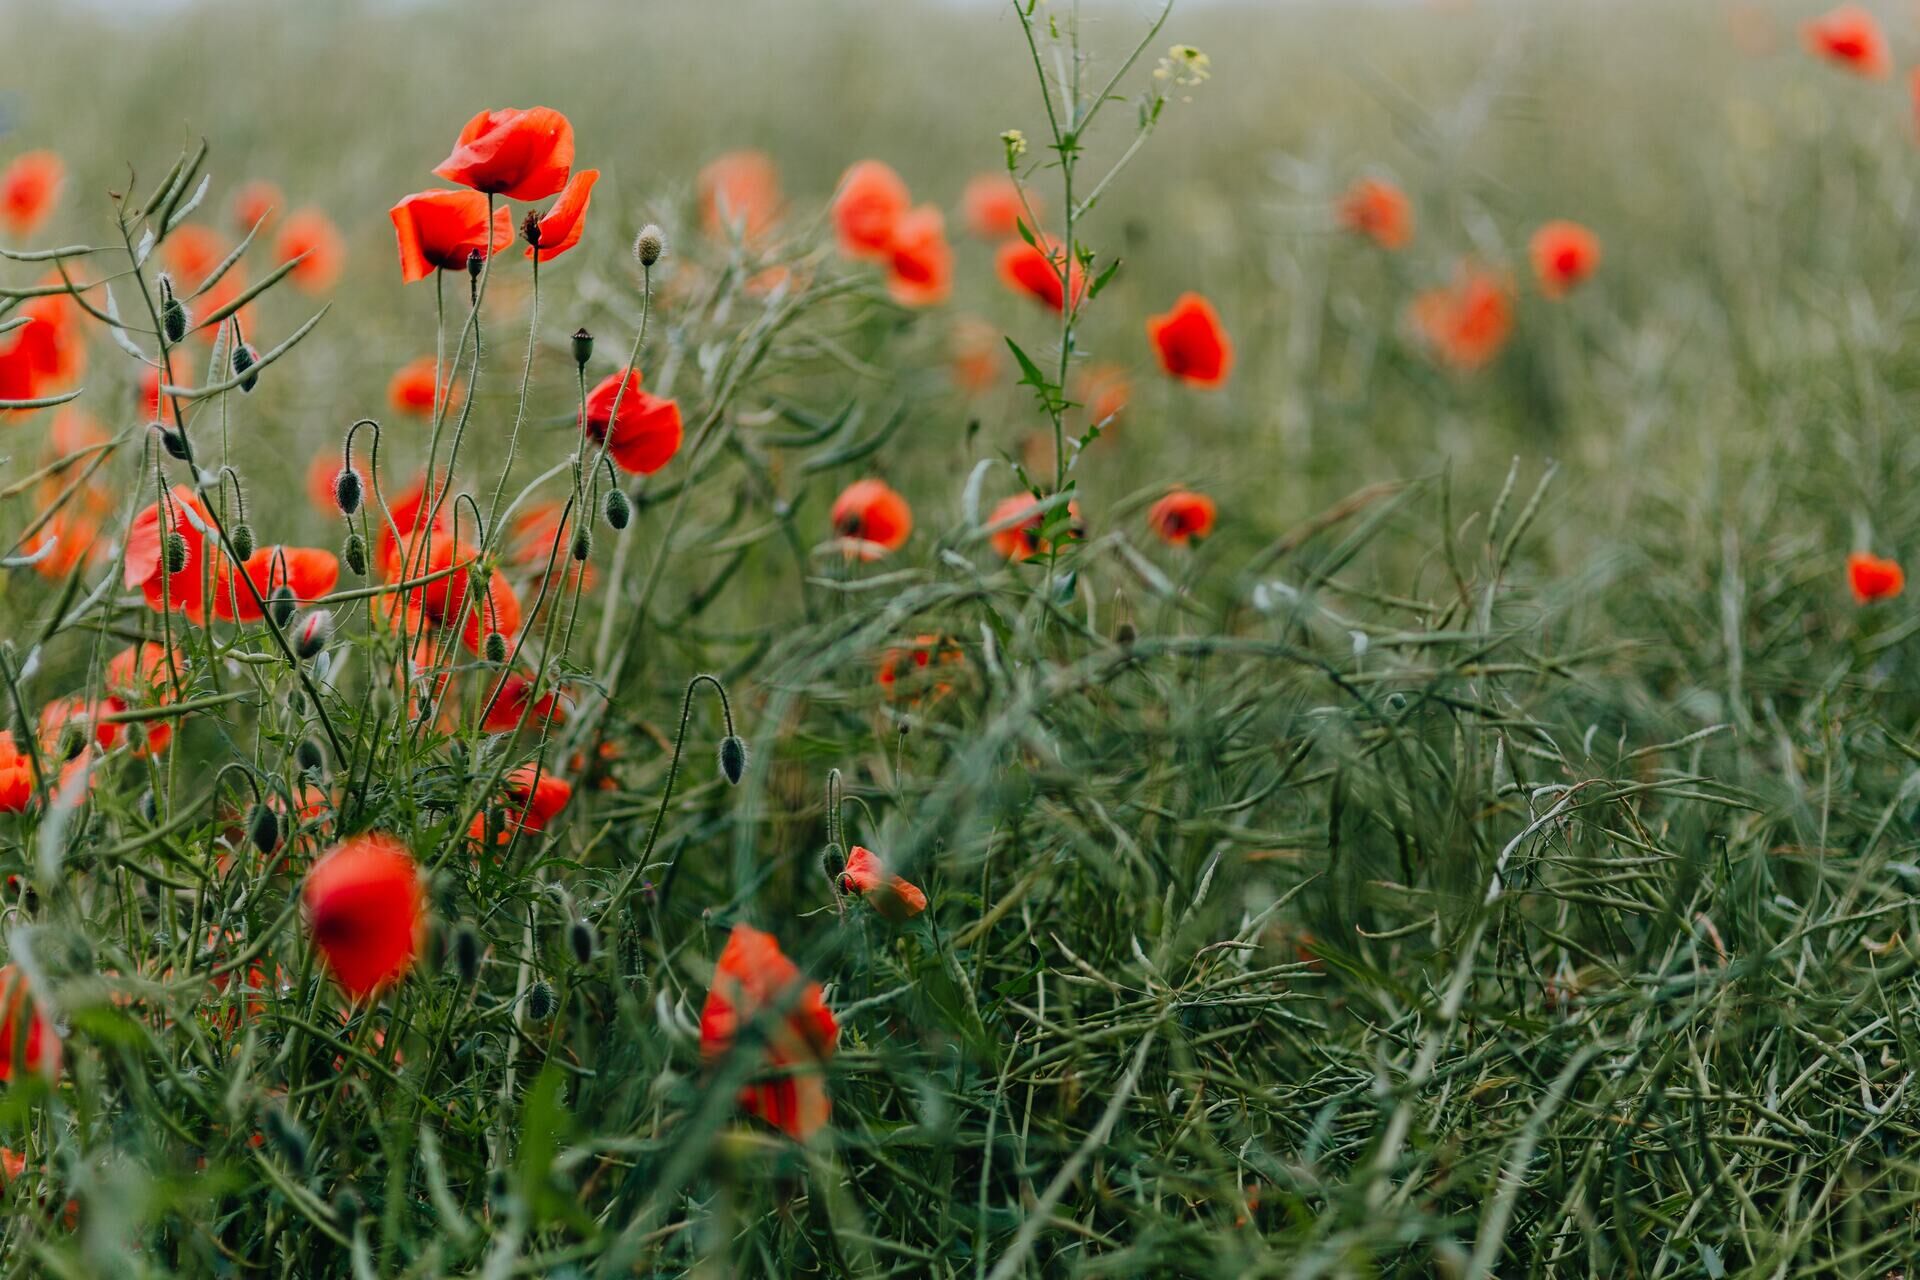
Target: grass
{"type": "Point", "coordinates": [1491, 853]}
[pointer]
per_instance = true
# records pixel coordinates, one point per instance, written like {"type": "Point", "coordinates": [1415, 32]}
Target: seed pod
{"type": "Point", "coordinates": [541, 1001]}
{"type": "Point", "coordinates": [172, 441]}
{"type": "Point", "coordinates": [312, 633]}
{"type": "Point", "coordinates": [619, 508]}
{"type": "Point", "coordinates": [346, 490]}
{"type": "Point", "coordinates": [280, 606]}
{"type": "Point", "coordinates": [176, 547]}
{"type": "Point", "coordinates": [733, 758]}
{"type": "Point", "coordinates": [263, 826]}
{"type": "Point", "coordinates": [581, 942]}
{"type": "Point", "coordinates": [244, 360]}
{"type": "Point", "coordinates": [309, 756]}
{"type": "Point", "coordinates": [354, 552]}
{"type": "Point", "coordinates": [242, 536]}
{"type": "Point", "coordinates": [650, 245]}
{"type": "Point", "coordinates": [582, 347]}
{"type": "Point", "coordinates": [466, 954]}
{"type": "Point", "coordinates": [582, 543]}
{"type": "Point", "coordinates": [494, 647]}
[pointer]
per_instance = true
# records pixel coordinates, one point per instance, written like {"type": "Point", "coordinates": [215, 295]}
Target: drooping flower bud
{"type": "Point", "coordinates": [263, 827]}
{"type": "Point", "coordinates": [581, 942]}
{"type": "Point", "coordinates": [582, 543]}
{"type": "Point", "coordinates": [346, 490]}
{"type": "Point", "coordinates": [173, 312]}
{"type": "Point", "coordinates": [176, 546]}
{"type": "Point", "coordinates": [582, 347]}
{"type": "Point", "coordinates": [354, 552]}
{"type": "Point", "coordinates": [733, 758]}
{"type": "Point", "coordinates": [309, 756]}
{"type": "Point", "coordinates": [619, 508]}
{"type": "Point", "coordinates": [172, 441]}
{"type": "Point", "coordinates": [242, 536]}
{"type": "Point", "coordinates": [311, 636]}
{"type": "Point", "coordinates": [541, 1001]}
{"type": "Point", "coordinates": [245, 358]}
{"type": "Point", "coordinates": [650, 245]}
{"type": "Point", "coordinates": [280, 606]}
{"type": "Point", "coordinates": [495, 647]}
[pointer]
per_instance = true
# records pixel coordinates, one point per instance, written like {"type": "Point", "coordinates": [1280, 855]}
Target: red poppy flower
{"type": "Point", "coordinates": [739, 188]}
{"type": "Point", "coordinates": [411, 388]}
{"type": "Point", "coordinates": [1378, 210]}
{"type": "Point", "coordinates": [753, 979]}
{"type": "Point", "coordinates": [978, 354]}
{"type": "Point", "coordinates": [563, 225]}
{"type": "Point", "coordinates": [183, 589]}
{"type": "Point", "coordinates": [523, 155]}
{"type": "Point", "coordinates": [646, 434]}
{"type": "Point", "coordinates": [924, 653]}
{"type": "Point", "coordinates": [366, 908]}
{"type": "Point", "coordinates": [409, 512]}
{"type": "Point", "coordinates": [1191, 343]}
{"type": "Point", "coordinates": [309, 572]}
{"type": "Point", "coordinates": [254, 203]}
{"type": "Point", "coordinates": [448, 599]}
{"type": "Point", "coordinates": [47, 353]}
{"type": "Point", "coordinates": [510, 706]}
{"type": "Point", "coordinates": [1104, 389]}
{"type": "Point", "coordinates": [68, 539]}
{"type": "Point", "coordinates": [1873, 578]}
{"type": "Point", "coordinates": [27, 1038]}
{"type": "Point", "coordinates": [312, 232]}
{"type": "Point", "coordinates": [871, 201]}
{"type": "Point", "coordinates": [1021, 538]}
{"type": "Point", "coordinates": [541, 537]}
{"type": "Point", "coordinates": [1035, 270]}
{"type": "Point", "coordinates": [869, 512]}
{"type": "Point", "coordinates": [1564, 254]}
{"type": "Point", "coordinates": [533, 799]}
{"type": "Point", "coordinates": [992, 208]}
{"type": "Point", "coordinates": [140, 676]}
{"type": "Point", "coordinates": [16, 775]}
{"type": "Point", "coordinates": [1467, 322]}
{"type": "Point", "coordinates": [919, 260]}
{"type": "Point", "coordinates": [1850, 37]}
{"type": "Point", "coordinates": [150, 395]}
{"type": "Point", "coordinates": [1182, 516]}
{"type": "Point", "coordinates": [29, 189]}
{"type": "Point", "coordinates": [867, 876]}
{"type": "Point", "coordinates": [440, 230]}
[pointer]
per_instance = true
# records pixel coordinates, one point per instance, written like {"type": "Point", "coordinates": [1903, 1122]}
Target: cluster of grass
{"type": "Point", "coordinates": [1491, 852]}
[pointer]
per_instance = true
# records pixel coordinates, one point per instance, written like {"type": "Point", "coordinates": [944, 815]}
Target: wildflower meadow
{"type": "Point", "coordinates": [1009, 639]}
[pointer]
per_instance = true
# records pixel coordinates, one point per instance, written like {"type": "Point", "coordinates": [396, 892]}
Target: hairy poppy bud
{"type": "Point", "coordinates": [530, 227]}
{"type": "Point", "coordinates": [280, 606]}
{"type": "Point", "coordinates": [541, 1001]}
{"type": "Point", "coordinates": [466, 954]}
{"type": "Point", "coordinates": [172, 441]}
{"type": "Point", "coordinates": [311, 636]}
{"type": "Point", "coordinates": [478, 580]}
{"type": "Point", "coordinates": [149, 807]}
{"type": "Point", "coordinates": [833, 861]}
{"type": "Point", "coordinates": [495, 647]}
{"type": "Point", "coordinates": [346, 490]}
{"type": "Point", "coordinates": [619, 508]}
{"type": "Point", "coordinates": [582, 543]}
{"type": "Point", "coordinates": [650, 245]}
{"type": "Point", "coordinates": [287, 1137]}
{"type": "Point", "coordinates": [733, 758]}
{"type": "Point", "coordinates": [354, 552]}
{"type": "Point", "coordinates": [242, 536]}
{"type": "Point", "coordinates": [309, 756]}
{"type": "Point", "coordinates": [173, 312]}
{"type": "Point", "coordinates": [582, 347]}
{"type": "Point", "coordinates": [176, 547]}
{"type": "Point", "coordinates": [244, 360]}
{"type": "Point", "coordinates": [263, 827]}
{"type": "Point", "coordinates": [581, 942]}
{"type": "Point", "coordinates": [72, 742]}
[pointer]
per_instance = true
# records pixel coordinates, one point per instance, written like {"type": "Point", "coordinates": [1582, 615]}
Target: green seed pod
{"type": "Point", "coordinates": [346, 490]}
{"type": "Point", "coordinates": [173, 312]}
{"type": "Point", "coordinates": [242, 536]}
{"type": "Point", "coordinates": [354, 552]}
{"type": "Point", "coordinates": [541, 1001]}
{"type": "Point", "coordinates": [176, 546]}
{"type": "Point", "coordinates": [733, 758]}
{"type": "Point", "coordinates": [582, 347]}
{"type": "Point", "coordinates": [619, 509]}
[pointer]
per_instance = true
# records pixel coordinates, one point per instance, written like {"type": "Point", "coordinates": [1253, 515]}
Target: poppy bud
{"type": "Point", "coordinates": [347, 1207]}
{"type": "Point", "coordinates": [172, 441]}
{"type": "Point", "coordinates": [311, 636]}
{"type": "Point", "coordinates": [733, 757]}
{"type": "Point", "coordinates": [582, 347]}
{"type": "Point", "coordinates": [354, 552]}
{"type": "Point", "coordinates": [173, 312]}
{"type": "Point", "coordinates": [581, 942]}
{"type": "Point", "coordinates": [833, 862]}
{"type": "Point", "coordinates": [541, 1001]}
{"type": "Point", "coordinates": [466, 954]}
{"type": "Point", "coordinates": [495, 647]}
{"type": "Point", "coordinates": [346, 490]}
{"type": "Point", "coordinates": [72, 743]}
{"type": "Point", "coordinates": [242, 537]}
{"type": "Point", "coordinates": [649, 892]}
{"type": "Point", "coordinates": [264, 828]}
{"type": "Point", "coordinates": [176, 546]}
{"type": "Point", "coordinates": [582, 543]}
{"type": "Point", "coordinates": [650, 245]}
{"type": "Point", "coordinates": [244, 359]}
{"type": "Point", "coordinates": [280, 606]}
{"type": "Point", "coordinates": [309, 756]}
{"type": "Point", "coordinates": [149, 807]}
{"type": "Point", "coordinates": [477, 580]}
{"type": "Point", "coordinates": [1124, 635]}
{"type": "Point", "coordinates": [530, 227]}
{"type": "Point", "coordinates": [619, 509]}
{"type": "Point", "coordinates": [287, 1137]}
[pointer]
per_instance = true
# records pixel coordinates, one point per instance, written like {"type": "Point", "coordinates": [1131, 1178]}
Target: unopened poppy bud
{"type": "Point", "coordinates": [309, 756]}
{"type": "Point", "coordinates": [280, 606]}
{"type": "Point", "coordinates": [582, 347]}
{"type": "Point", "coordinates": [173, 312]}
{"type": "Point", "coordinates": [495, 647]}
{"type": "Point", "coordinates": [581, 942]}
{"type": "Point", "coordinates": [172, 441]}
{"type": "Point", "coordinates": [347, 1207]}
{"type": "Point", "coordinates": [242, 536]}
{"type": "Point", "coordinates": [466, 954]}
{"type": "Point", "coordinates": [346, 490]}
{"type": "Point", "coordinates": [244, 360]}
{"type": "Point", "coordinates": [176, 551]}
{"type": "Point", "coordinates": [477, 580]}
{"type": "Point", "coordinates": [311, 636]}
{"type": "Point", "coordinates": [149, 807]}
{"type": "Point", "coordinates": [541, 1001]}
{"type": "Point", "coordinates": [733, 758]}
{"type": "Point", "coordinates": [582, 543]}
{"type": "Point", "coordinates": [1124, 635]}
{"type": "Point", "coordinates": [354, 552]}
{"type": "Point", "coordinates": [530, 227]}
{"type": "Point", "coordinates": [287, 1137]}
{"type": "Point", "coordinates": [649, 892]}
{"type": "Point", "coordinates": [263, 827]}
{"type": "Point", "coordinates": [72, 743]}
{"type": "Point", "coordinates": [619, 508]}
{"type": "Point", "coordinates": [650, 245]}
{"type": "Point", "coordinates": [475, 261]}
{"type": "Point", "coordinates": [833, 862]}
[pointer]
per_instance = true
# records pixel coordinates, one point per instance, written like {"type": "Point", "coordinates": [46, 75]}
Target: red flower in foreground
{"type": "Point", "coordinates": [870, 513]}
{"type": "Point", "coordinates": [1035, 271]}
{"type": "Point", "coordinates": [753, 979]}
{"type": "Point", "coordinates": [1564, 254]}
{"type": "Point", "coordinates": [182, 588]}
{"type": "Point", "coordinates": [564, 224]}
{"type": "Point", "coordinates": [1873, 578]}
{"type": "Point", "coordinates": [1191, 343]}
{"type": "Point", "coordinates": [439, 230]}
{"type": "Point", "coordinates": [892, 897]}
{"type": "Point", "coordinates": [919, 260]}
{"type": "Point", "coordinates": [1465, 324]}
{"type": "Point", "coordinates": [309, 572]}
{"type": "Point", "coordinates": [29, 189]}
{"type": "Point", "coordinates": [254, 202]}
{"type": "Point", "coordinates": [510, 705]}
{"type": "Point", "coordinates": [1379, 211]}
{"type": "Point", "coordinates": [991, 206]}
{"type": "Point", "coordinates": [533, 799]}
{"type": "Point", "coordinates": [1182, 516]}
{"type": "Point", "coordinates": [1850, 37]}
{"type": "Point", "coordinates": [312, 233]}
{"type": "Point", "coordinates": [871, 199]}
{"type": "Point", "coordinates": [411, 388]}
{"type": "Point", "coordinates": [1021, 538]}
{"type": "Point", "coordinates": [27, 1039]}
{"type": "Point", "coordinates": [520, 154]}
{"type": "Point", "coordinates": [366, 908]}
{"type": "Point", "coordinates": [739, 188]}
{"type": "Point", "coordinates": [645, 434]}
{"type": "Point", "coordinates": [16, 775]}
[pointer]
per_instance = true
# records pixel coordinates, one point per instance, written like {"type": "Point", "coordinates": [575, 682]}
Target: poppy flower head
{"type": "Point", "coordinates": [311, 232]}
{"type": "Point", "coordinates": [48, 352]}
{"type": "Point", "coordinates": [1873, 578]}
{"type": "Point", "coordinates": [411, 513]}
{"type": "Point", "coordinates": [1850, 37]}
{"type": "Point", "coordinates": [644, 434]}
{"type": "Point", "coordinates": [1021, 537]}
{"type": "Point", "coordinates": [867, 877]}
{"type": "Point", "coordinates": [511, 697]}
{"type": "Point", "coordinates": [411, 389]}
{"type": "Point", "coordinates": [992, 207]}
{"type": "Point", "coordinates": [740, 188]}
{"type": "Point", "coordinates": [309, 572]}
{"type": "Point", "coordinates": [1564, 254]}
{"type": "Point", "coordinates": [1378, 210]}
{"type": "Point", "coordinates": [27, 1039]}
{"type": "Point", "coordinates": [919, 259]}
{"type": "Point", "coordinates": [520, 154]}
{"type": "Point", "coordinates": [29, 190]}
{"type": "Point", "coordinates": [1181, 517]}
{"type": "Point", "coordinates": [254, 203]}
{"type": "Point", "coordinates": [871, 200]}
{"type": "Point", "coordinates": [977, 354]}
{"type": "Point", "coordinates": [439, 230]}
{"type": "Point", "coordinates": [1191, 342]}
{"type": "Point", "coordinates": [1465, 324]}
{"type": "Point", "coordinates": [1034, 269]}
{"type": "Point", "coordinates": [16, 775]}
{"type": "Point", "coordinates": [451, 598]}
{"type": "Point", "coordinates": [182, 588]}
{"type": "Point", "coordinates": [366, 909]}
{"type": "Point", "coordinates": [751, 979]}
{"type": "Point", "coordinates": [561, 227]}
{"type": "Point", "coordinates": [869, 512]}
{"type": "Point", "coordinates": [533, 798]}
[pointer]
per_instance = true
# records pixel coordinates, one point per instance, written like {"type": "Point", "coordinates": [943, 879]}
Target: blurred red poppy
{"type": "Point", "coordinates": [1104, 389]}
{"type": "Point", "coordinates": [410, 390]}
{"type": "Point", "coordinates": [1182, 516]}
{"type": "Point", "coordinates": [870, 201]}
{"type": "Point", "coordinates": [1466, 323]}
{"type": "Point", "coordinates": [1021, 537]}
{"type": "Point", "coordinates": [872, 515]}
{"type": "Point", "coordinates": [27, 1039]}
{"type": "Point", "coordinates": [511, 707]}
{"type": "Point", "coordinates": [978, 354]}
{"type": "Point", "coordinates": [991, 205]}
{"type": "Point", "coordinates": [309, 572]}
{"type": "Point", "coordinates": [366, 908]}
{"type": "Point", "coordinates": [866, 876]}
{"type": "Point", "coordinates": [753, 980]}
{"type": "Point", "coordinates": [311, 232]}
{"type": "Point", "coordinates": [256, 202]}
{"type": "Point", "coordinates": [1191, 342]}
{"type": "Point", "coordinates": [1378, 210]}
{"type": "Point", "coordinates": [533, 799]}
{"type": "Point", "coordinates": [29, 190]}
{"type": "Point", "coordinates": [924, 653]}
{"type": "Point", "coordinates": [49, 352]}
{"type": "Point", "coordinates": [1034, 269]}
{"type": "Point", "coordinates": [1850, 37]}
{"type": "Point", "coordinates": [440, 230]}
{"type": "Point", "coordinates": [919, 259]}
{"type": "Point", "coordinates": [740, 188]}
{"type": "Point", "coordinates": [646, 433]}
{"type": "Point", "coordinates": [520, 154]}
{"type": "Point", "coordinates": [1564, 254]}
{"type": "Point", "coordinates": [563, 225]}
{"type": "Point", "coordinates": [1873, 578]}
{"type": "Point", "coordinates": [16, 775]}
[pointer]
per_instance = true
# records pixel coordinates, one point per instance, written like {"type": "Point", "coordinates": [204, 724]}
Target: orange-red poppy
{"type": "Point", "coordinates": [311, 232]}
{"type": "Point", "coordinates": [140, 675]}
{"type": "Point", "coordinates": [870, 202]}
{"type": "Point", "coordinates": [646, 433]}
{"type": "Point", "coordinates": [1564, 254]}
{"type": "Point", "coordinates": [1182, 516]}
{"type": "Point", "coordinates": [533, 798]}
{"type": "Point", "coordinates": [449, 599]}
{"type": "Point", "coordinates": [16, 775]}
{"type": "Point", "coordinates": [510, 706]}
{"type": "Point", "coordinates": [27, 1038]}
{"type": "Point", "coordinates": [991, 205]}
{"type": "Point", "coordinates": [1850, 37]}
{"type": "Point", "coordinates": [256, 202]}
{"type": "Point", "coordinates": [753, 979]}
{"type": "Point", "coordinates": [919, 259]}
{"type": "Point", "coordinates": [410, 390]}
{"type": "Point", "coordinates": [1465, 324]}
{"type": "Point", "coordinates": [439, 230]}
{"type": "Point", "coordinates": [29, 189]}
{"type": "Point", "coordinates": [182, 589]}
{"type": "Point", "coordinates": [865, 875]}
{"type": "Point", "coordinates": [66, 541]}
{"type": "Point", "coordinates": [1104, 389]}
{"type": "Point", "coordinates": [322, 471]}
{"type": "Point", "coordinates": [1034, 269]}
{"type": "Point", "coordinates": [740, 188]}
{"type": "Point", "coordinates": [543, 536]}
{"type": "Point", "coordinates": [1191, 342]}
{"type": "Point", "coordinates": [1873, 578]}
{"type": "Point", "coordinates": [978, 354]}
{"type": "Point", "coordinates": [309, 572]}
{"type": "Point", "coordinates": [1021, 537]}
{"type": "Point", "coordinates": [872, 515]}
{"type": "Point", "coordinates": [366, 908]}
{"type": "Point", "coordinates": [149, 395]}
{"type": "Point", "coordinates": [45, 355]}
{"type": "Point", "coordinates": [562, 226]}
{"type": "Point", "coordinates": [520, 154]}
{"type": "Point", "coordinates": [1378, 210]}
